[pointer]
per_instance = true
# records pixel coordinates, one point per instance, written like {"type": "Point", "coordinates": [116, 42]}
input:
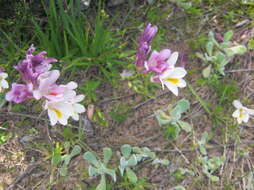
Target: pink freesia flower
{"type": "Point", "coordinates": [144, 46]}
{"type": "Point", "coordinates": [19, 93]}
{"type": "Point", "coordinates": [34, 65]}
{"type": "Point", "coordinates": [158, 61]}
{"type": "Point", "coordinates": [50, 90]}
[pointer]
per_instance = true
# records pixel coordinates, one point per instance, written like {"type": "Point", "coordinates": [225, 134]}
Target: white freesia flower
{"type": "Point", "coordinates": [3, 83]}
{"type": "Point", "coordinates": [58, 111]}
{"type": "Point", "coordinates": [242, 114]}
{"type": "Point", "coordinates": [173, 78]}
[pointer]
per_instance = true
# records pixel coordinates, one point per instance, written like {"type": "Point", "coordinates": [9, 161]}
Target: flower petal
{"type": "Point", "coordinates": [173, 88]}
{"type": "Point", "coordinates": [172, 59]}
{"type": "Point", "coordinates": [52, 117]}
{"type": "Point", "coordinates": [4, 84]}
{"type": "Point", "coordinates": [164, 54]}
{"type": "Point", "coordinates": [236, 113]}
{"type": "Point", "coordinates": [237, 104]}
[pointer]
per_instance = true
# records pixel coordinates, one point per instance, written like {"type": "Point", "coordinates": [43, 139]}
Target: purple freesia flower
{"type": "Point", "coordinates": [34, 65]}
{"type": "Point", "coordinates": [19, 93]}
{"type": "Point", "coordinates": [148, 34]}
{"type": "Point", "coordinates": [158, 61]}
{"type": "Point", "coordinates": [144, 46]}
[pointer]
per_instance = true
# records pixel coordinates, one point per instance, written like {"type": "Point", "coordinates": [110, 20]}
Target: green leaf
{"type": "Point", "coordinates": [214, 178]}
{"type": "Point", "coordinates": [182, 106]}
{"type": "Point", "coordinates": [228, 35]}
{"type": "Point", "coordinates": [185, 126]}
{"type": "Point", "coordinates": [126, 150]}
{"type": "Point", "coordinates": [162, 118]}
{"type": "Point", "coordinates": [207, 71]}
{"type": "Point", "coordinates": [2, 100]}
{"type": "Point", "coordinates": [200, 56]}
{"type": "Point", "coordinates": [161, 161]}
{"type": "Point", "coordinates": [172, 131]}
{"type": "Point", "coordinates": [107, 153]}
{"type": "Point", "coordinates": [92, 171]}
{"type": "Point", "coordinates": [131, 175]}
{"type": "Point", "coordinates": [90, 157]}
{"type": "Point", "coordinates": [179, 187]}
{"type": "Point", "coordinates": [102, 184]}
{"type": "Point", "coordinates": [110, 172]}
{"type": "Point", "coordinates": [132, 161]}
{"type": "Point", "coordinates": [239, 49]}
{"type": "Point", "coordinates": [209, 48]}
{"type": "Point", "coordinates": [202, 150]}
{"type": "Point", "coordinates": [63, 170]}
{"type": "Point", "coordinates": [76, 150]}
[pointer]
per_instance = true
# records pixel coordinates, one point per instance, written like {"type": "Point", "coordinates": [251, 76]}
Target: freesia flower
{"type": "Point", "coordinates": [160, 61]}
{"type": "Point", "coordinates": [242, 114]}
{"type": "Point", "coordinates": [19, 93]}
{"type": "Point", "coordinates": [172, 78]}
{"type": "Point", "coordinates": [58, 111]}
{"type": "Point", "coordinates": [3, 83]}
{"type": "Point", "coordinates": [34, 65]}
{"type": "Point", "coordinates": [46, 82]}
{"type": "Point", "coordinates": [144, 46]}
{"type": "Point", "coordinates": [148, 34]}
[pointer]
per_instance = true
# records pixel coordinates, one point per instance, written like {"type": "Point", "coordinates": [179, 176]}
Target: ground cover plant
{"type": "Point", "coordinates": [162, 97]}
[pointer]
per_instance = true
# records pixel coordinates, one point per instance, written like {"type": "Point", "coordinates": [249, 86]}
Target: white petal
{"type": "Point", "coordinates": [79, 98]}
{"type": "Point", "coordinates": [178, 72]}
{"type": "Point", "coordinates": [4, 84]}
{"type": "Point", "coordinates": [75, 116]}
{"type": "Point", "coordinates": [3, 75]}
{"type": "Point", "coordinates": [250, 111]}
{"type": "Point", "coordinates": [239, 120]}
{"type": "Point", "coordinates": [52, 117]}
{"type": "Point", "coordinates": [64, 120]}
{"type": "Point", "coordinates": [37, 94]}
{"type": "Point", "coordinates": [181, 83]}
{"type": "Point", "coordinates": [72, 85]}
{"type": "Point", "coordinates": [78, 108]}
{"type": "Point", "coordinates": [237, 104]}
{"type": "Point", "coordinates": [173, 58]}
{"type": "Point", "coordinates": [246, 118]}
{"type": "Point", "coordinates": [236, 113]}
{"type": "Point", "coordinates": [173, 88]}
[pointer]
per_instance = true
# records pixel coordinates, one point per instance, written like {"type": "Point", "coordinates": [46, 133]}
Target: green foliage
{"type": "Point", "coordinates": [130, 157]}
{"type": "Point", "coordinates": [69, 37]}
{"type": "Point", "coordinates": [63, 160]}
{"type": "Point", "coordinates": [99, 167]}
{"type": "Point", "coordinates": [209, 165]}
{"type": "Point", "coordinates": [219, 54]}
{"type": "Point", "coordinates": [170, 120]}
{"type": "Point", "coordinates": [89, 89]}
{"type": "Point", "coordinates": [4, 134]}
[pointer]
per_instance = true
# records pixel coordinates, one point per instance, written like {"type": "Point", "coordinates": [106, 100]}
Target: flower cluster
{"type": "Point", "coordinates": [242, 113]}
{"type": "Point", "coordinates": [61, 101]}
{"type": "Point", "coordinates": [162, 63]}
